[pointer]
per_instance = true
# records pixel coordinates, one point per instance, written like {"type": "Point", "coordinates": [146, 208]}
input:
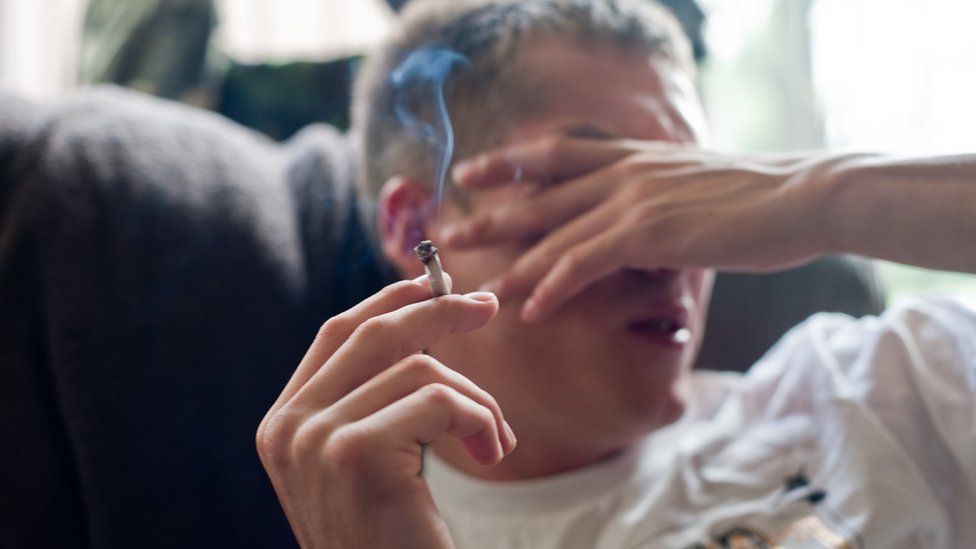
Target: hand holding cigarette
{"type": "Point", "coordinates": [343, 443]}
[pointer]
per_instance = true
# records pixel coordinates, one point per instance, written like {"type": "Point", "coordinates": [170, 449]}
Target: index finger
{"type": "Point", "coordinates": [528, 216]}
{"type": "Point", "coordinates": [380, 342]}
{"type": "Point", "coordinates": [337, 329]}
{"type": "Point", "coordinates": [550, 158]}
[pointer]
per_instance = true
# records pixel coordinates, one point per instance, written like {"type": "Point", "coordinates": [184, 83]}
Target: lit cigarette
{"type": "Point", "coordinates": [427, 253]}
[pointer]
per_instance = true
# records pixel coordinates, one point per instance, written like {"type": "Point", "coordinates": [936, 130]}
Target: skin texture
{"type": "Point", "coordinates": [645, 205]}
{"type": "Point", "coordinates": [343, 444]}
{"type": "Point", "coordinates": [602, 386]}
{"type": "Point", "coordinates": [587, 211]}
{"type": "Point", "coordinates": [626, 204]}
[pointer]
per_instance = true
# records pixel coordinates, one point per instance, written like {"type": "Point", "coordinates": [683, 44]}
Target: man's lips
{"type": "Point", "coordinates": [667, 326]}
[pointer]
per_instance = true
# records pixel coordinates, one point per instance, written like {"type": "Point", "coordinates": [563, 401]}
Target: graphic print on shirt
{"type": "Point", "coordinates": [814, 525]}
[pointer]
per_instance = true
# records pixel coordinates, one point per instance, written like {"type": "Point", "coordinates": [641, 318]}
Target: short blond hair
{"type": "Point", "coordinates": [494, 89]}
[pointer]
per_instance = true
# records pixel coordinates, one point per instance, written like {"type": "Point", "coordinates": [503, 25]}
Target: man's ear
{"type": "Point", "coordinates": [404, 207]}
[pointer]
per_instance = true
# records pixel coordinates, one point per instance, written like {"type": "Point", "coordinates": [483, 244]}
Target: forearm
{"type": "Point", "coordinates": [917, 211]}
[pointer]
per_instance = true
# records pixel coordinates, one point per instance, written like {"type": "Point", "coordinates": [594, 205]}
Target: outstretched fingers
{"type": "Point", "coordinates": [383, 340]}
{"type": "Point", "coordinates": [408, 376]}
{"type": "Point", "coordinates": [403, 427]}
{"type": "Point", "coordinates": [335, 331]}
{"type": "Point", "coordinates": [576, 269]}
{"type": "Point", "coordinates": [535, 263]}
{"type": "Point", "coordinates": [550, 158]}
{"type": "Point", "coordinates": [530, 214]}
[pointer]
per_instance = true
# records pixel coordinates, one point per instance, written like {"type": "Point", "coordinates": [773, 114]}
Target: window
{"type": "Point", "coordinates": [289, 30]}
{"type": "Point", "coordinates": [895, 77]}
{"type": "Point", "coordinates": [39, 45]}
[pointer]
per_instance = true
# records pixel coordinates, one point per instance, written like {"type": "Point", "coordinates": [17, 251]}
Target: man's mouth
{"type": "Point", "coordinates": [668, 329]}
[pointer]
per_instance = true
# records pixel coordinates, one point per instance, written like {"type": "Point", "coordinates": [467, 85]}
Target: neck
{"type": "Point", "coordinates": [533, 457]}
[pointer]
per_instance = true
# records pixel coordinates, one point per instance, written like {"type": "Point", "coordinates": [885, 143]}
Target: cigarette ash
{"type": "Point", "coordinates": [420, 105]}
{"type": "Point", "coordinates": [425, 251]}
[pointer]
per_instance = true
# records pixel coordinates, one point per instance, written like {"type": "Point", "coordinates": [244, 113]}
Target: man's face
{"type": "Point", "coordinates": [603, 368]}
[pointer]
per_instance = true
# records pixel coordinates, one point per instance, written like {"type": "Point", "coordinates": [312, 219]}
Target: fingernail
{"type": "Point", "coordinates": [483, 297]}
{"type": "Point", "coordinates": [512, 441]}
{"type": "Point", "coordinates": [460, 171]}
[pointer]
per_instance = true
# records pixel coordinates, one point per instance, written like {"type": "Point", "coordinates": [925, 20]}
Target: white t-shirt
{"type": "Point", "coordinates": [848, 431]}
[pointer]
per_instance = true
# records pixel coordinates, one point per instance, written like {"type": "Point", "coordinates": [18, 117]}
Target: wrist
{"type": "Point", "coordinates": [829, 186]}
{"type": "Point", "coordinates": [807, 189]}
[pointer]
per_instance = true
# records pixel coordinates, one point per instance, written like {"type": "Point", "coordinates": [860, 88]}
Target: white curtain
{"type": "Point", "coordinates": [39, 39]}
{"type": "Point", "coordinates": [286, 30]}
{"type": "Point", "coordinates": [898, 75]}
{"type": "Point", "coordinates": [39, 45]}
{"type": "Point", "coordinates": [875, 75]}
{"type": "Point", "coordinates": [757, 84]}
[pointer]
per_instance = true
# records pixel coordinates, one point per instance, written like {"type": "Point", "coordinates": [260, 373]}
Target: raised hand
{"type": "Point", "coordinates": [343, 444]}
{"type": "Point", "coordinates": [597, 206]}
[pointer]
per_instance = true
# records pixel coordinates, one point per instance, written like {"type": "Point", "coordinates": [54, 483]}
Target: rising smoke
{"type": "Point", "coordinates": [420, 106]}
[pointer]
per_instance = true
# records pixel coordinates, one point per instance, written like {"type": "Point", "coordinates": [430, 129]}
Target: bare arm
{"type": "Point", "coordinates": [604, 205]}
{"type": "Point", "coordinates": [919, 211]}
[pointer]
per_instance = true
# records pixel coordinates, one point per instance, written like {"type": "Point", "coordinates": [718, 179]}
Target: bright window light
{"type": "Point", "coordinates": [308, 30]}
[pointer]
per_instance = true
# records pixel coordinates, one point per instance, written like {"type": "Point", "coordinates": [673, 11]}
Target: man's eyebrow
{"type": "Point", "coordinates": [588, 131]}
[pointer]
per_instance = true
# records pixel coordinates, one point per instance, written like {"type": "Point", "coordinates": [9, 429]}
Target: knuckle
{"type": "Point", "coordinates": [312, 435]}
{"type": "Point", "coordinates": [347, 448]}
{"type": "Point", "coordinates": [437, 394]}
{"type": "Point", "coordinates": [488, 399]}
{"type": "Point", "coordinates": [421, 366]}
{"type": "Point", "coordinates": [632, 164]}
{"type": "Point", "coordinates": [572, 261]}
{"type": "Point", "coordinates": [487, 402]}
{"type": "Point", "coordinates": [375, 327]}
{"type": "Point", "coordinates": [338, 324]}
{"type": "Point", "coordinates": [486, 417]}
{"type": "Point", "coordinates": [551, 149]}
{"type": "Point", "coordinates": [272, 439]}
{"type": "Point", "coordinates": [446, 309]}
{"type": "Point", "coordinates": [265, 440]}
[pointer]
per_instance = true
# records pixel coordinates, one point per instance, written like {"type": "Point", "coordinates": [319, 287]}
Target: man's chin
{"type": "Point", "coordinates": [671, 412]}
{"type": "Point", "coordinates": [665, 402]}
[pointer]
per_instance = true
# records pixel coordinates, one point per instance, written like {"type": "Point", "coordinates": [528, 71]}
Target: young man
{"type": "Point", "coordinates": [848, 433]}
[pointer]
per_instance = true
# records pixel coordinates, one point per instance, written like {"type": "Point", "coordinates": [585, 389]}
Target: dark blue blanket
{"type": "Point", "coordinates": [162, 271]}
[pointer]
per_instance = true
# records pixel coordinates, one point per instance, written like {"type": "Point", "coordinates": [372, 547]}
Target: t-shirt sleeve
{"type": "Point", "coordinates": [915, 368]}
